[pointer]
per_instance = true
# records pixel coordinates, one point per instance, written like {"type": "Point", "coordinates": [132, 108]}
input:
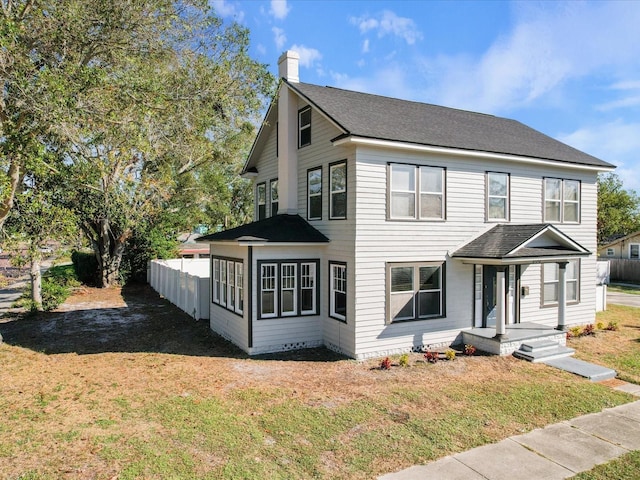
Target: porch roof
{"type": "Point", "coordinates": [513, 243]}
{"type": "Point", "coordinates": [277, 229]}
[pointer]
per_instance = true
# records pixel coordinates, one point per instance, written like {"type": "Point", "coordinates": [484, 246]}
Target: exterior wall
{"type": "Point", "coordinates": [621, 248]}
{"type": "Point", "coordinates": [379, 241]}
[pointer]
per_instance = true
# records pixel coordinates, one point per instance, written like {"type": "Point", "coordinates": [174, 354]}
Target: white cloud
{"type": "Point", "coordinates": [308, 56]}
{"type": "Point", "coordinates": [227, 9]}
{"type": "Point", "coordinates": [388, 23]}
{"type": "Point", "coordinates": [279, 9]}
{"type": "Point", "coordinates": [631, 88]}
{"type": "Point", "coordinates": [279, 37]}
{"type": "Point", "coordinates": [616, 142]}
{"type": "Point", "coordinates": [365, 46]}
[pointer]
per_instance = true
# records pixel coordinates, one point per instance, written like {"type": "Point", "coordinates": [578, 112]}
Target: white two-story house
{"type": "Point", "coordinates": [385, 225]}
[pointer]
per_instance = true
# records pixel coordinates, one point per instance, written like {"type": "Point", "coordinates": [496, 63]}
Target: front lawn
{"type": "Point", "coordinates": [129, 387]}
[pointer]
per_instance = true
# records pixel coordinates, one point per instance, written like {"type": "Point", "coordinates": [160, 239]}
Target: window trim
{"type": "Point", "coordinates": [543, 302]}
{"type": "Point", "coordinates": [302, 127]}
{"type": "Point", "coordinates": [332, 291]}
{"type": "Point", "coordinates": [331, 192]}
{"type": "Point", "coordinates": [222, 291]}
{"type": "Point", "coordinates": [417, 192]}
{"type": "Point", "coordinates": [562, 201]}
{"type": "Point", "coordinates": [442, 266]}
{"type": "Point", "coordinates": [298, 312]}
{"type": "Point", "coordinates": [488, 197]}
{"type": "Point", "coordinates": [258, 204]}
{"type": "Point", "coordinates": [282, 289]}
{"type": "Point", "coordinates": [271, 202]}
{"type": "Point", "coordinates": [631, 245]}
{"type": "Point", "coordinates": [309, 195]}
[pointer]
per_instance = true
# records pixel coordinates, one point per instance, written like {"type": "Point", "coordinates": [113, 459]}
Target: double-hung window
{"type": "Point", "coordinates": [338, 190]}
{"type": "Point", "coordinates": [227, 284]}
{"type": "Point", "coordinates": [497, 196]}
{"type": "Point", "coordinates": [561, 200]}
{"type": "Point", "coordinates": [261, 201]}
{"type": "Point", "coordinates": [415, 291]}
{"type": "Point", "coordinates": [338, 291]}
{"type": "Point", "coordinates": [634, 251]}
{"type": "Point", "coordinates": [551, 282]}
{"type": "Point", "coordinates": [273, 188]}
{"type": "Point", "coordinates": [304, 127]}
{"type": "Point", "coordinates": [288, 288]}
{"type": "Point", "coordinates": [314, 194]}
{"type": "Point", "coordinates": [416, 192]}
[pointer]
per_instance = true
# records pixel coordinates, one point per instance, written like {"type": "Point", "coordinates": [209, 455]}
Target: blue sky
{"type": "Point", "coordinates": [569, 69]}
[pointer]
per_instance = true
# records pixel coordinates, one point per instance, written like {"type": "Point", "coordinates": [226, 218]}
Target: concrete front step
{"type": "Point", "coordinates": [542, 350]}
{"type": "Point", "coordinates": [595, 373]}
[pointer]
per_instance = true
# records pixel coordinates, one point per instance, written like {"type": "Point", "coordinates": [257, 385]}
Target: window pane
{"type": "Point", "coordinates": [338, 177]}
{"type": "Point", "coordinates": [570, 212]}
{"type": "Point", "coordinates": [315, 182]}
{"type": "Point", "coordinates": [305, 137]}
{"type": "Point", "coordinates": [401, 279]}
{"type": "Point", "coordinates": [497, 208]}
{"type": "Point", "coordinates": [287, 301]}
{"type": "Point", "coordinates": [403, 178]}
{"type": "Point", "coordinates": [305, 117]}
{"type": "Point", "coordinates": [498, 184]}
{"type": "Point", "coordinates": [262, 193]}
{"type": "Point", "coordinates": [634, 251]}
{"type": "Point", "coordinates": [429, 304]}
{"type": "Point", "coordinates": [550, 292]}
{"type": "Point", "coordinates": [306, 299]}
{"type": "Point", "coordinates": [268, 304]}
{"type": "Point", "coordinates": [339, 205]}
{"type": "Point", "coordinates": [571, 190]}
{"type": "Point", "coordinates": [430, 206]}
{"type": "Point", "coordinates": [572, 291]}
{"type": "Point", "coordinates": [572, 270]}
{"type": "Point", "coordinates": [552, 211]}
{"type": "Point", "coordinates": [315, 207]}
{"type": "Point", "coordinates": [429, 278]}
{"type": "Point", "coordinates": [431, 179]}
{"type": "Point", "coordinates": [403, 205]}
{"type": "Point", "coordinates": [552, 189]}
{"type": "Point", "coordinates": [402, 306]}
{"type": "Point", "coordinates": [550, 272]}
{"type": "Point", "coordinates": [341, 303]}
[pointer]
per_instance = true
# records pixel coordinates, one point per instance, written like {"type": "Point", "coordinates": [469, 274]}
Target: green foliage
{"type": "Point", "coordinates": [450, 354]}
{"type": "Point", "coordinates": [618, 209]}
{"type": "Point", "coordinates": [85, 266]}
{"type": "Point", "coordinates": [57, 284]}
{"type": "Point", "coordinates": [404, 360]}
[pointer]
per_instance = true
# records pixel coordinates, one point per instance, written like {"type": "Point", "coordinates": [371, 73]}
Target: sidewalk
{"type": "Point", "coordinates": [555, 452]}
{"type": "Point", "coordinates": [10, 294]}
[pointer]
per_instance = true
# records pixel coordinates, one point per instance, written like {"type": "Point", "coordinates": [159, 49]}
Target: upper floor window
{"type": "Point", "coordinates": [273, 188]}
{"type": "Point", "coordinates": [551, 282]}
{"type": "Point", "coordinates": [261, 200]}
{"type": "Point", "coordinates": [634, 251]}
{"type": "Point", "coordinates": [497, 196]}
{"type": "Point", "coordinates": [416, 192]}
{"type": "Point", "coordinates": [338, 291]}
{"type": "Point", "coordinates": [314, 194]}
{"type": "Point", "coordinates": [338, 190]}
{"type": "Point", "coordinates": [304, 127]}
{"type": "Point", "coordinates": [415, 291]}
{"type": "Point", "coordinates": [561, 200]}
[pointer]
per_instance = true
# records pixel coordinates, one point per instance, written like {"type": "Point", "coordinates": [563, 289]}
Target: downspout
{"type": "Point", "coordinates": [250, 297]}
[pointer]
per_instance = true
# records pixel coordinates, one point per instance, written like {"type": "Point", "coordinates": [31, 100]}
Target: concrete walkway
{"type": "Point", "coordinates": [10, 294]}
{"type": "Point", "coordinates": [555, 452]}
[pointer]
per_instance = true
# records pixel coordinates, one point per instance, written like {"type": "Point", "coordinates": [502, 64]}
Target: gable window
{"type": "Point", "coordinates": [273, 188]}
{"type": "Point", "coordinates": [227, 288]}
{"type": "Point", "coordinates": [338, 190]}
{"type": "Point", "coordinates": [304, 127]}
{"type": "Point", "coordinates": [288, 288]}
{"type": "Point", "coordinates": [497, 196]}
{"type": "Point", "coordinates": [314, 194]}
{"type": "Point", "coordinates": [338, 291]}
{"type": "Point", "coordinates": [415, 291]}
{"type": "Point", "coordinates": [261, 200]}
{"type": "Point", "coordinates": [416, 193]}
{"type": "Point", "coordinates": [634, 251]}
{"type": "Point", "coordinates": [610, 252]}
{"type": "Point", "coordinates": [561, 200]}
{"type": "Point", "coordinates": [551, 282]}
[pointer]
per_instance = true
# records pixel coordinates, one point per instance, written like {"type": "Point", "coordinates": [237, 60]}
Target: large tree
{"type": "Point", "coordinates": [151, 92]}
{"type": "Point", "coordinates": [618, 209]}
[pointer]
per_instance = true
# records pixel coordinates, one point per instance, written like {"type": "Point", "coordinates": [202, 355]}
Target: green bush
{"type": "Point", "coordinates": [85, 266]}
{"type": "Point", "coordinates": [57, 284]}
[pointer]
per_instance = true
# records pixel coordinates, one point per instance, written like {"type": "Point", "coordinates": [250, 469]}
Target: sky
{"type": "Point", "coordinates": [568, 69]}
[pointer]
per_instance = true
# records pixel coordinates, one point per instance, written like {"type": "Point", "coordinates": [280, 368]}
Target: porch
{"type": "Point", "coordinates": [516, 334]}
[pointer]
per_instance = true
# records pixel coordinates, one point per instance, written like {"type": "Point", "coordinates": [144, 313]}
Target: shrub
{"type": "Point", "coordinates": [404, 360]}
{"type": "Point", "coordinates": [600, 325]}
{"type": "Point", "coordinates": [469, 350]}
{"type": "Point", "coordinates": [575, 331]}
{"type": "Point", "coordinates": [86, 266]}
{"type": "Point", "coordinates": [431, 357]}
{"type": "Point", "coordinates": [589, 329]}
{"type": "Point", "coordinates": [57, 284]}
{"type": "Point", "coordinates": [450, 354]}
{"type": "Point", "coordinates": [612, 326]}
{"type": "Point", "coordinates": [385, 364]}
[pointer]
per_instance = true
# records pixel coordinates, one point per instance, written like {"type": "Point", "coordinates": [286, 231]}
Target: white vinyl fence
{"type": "Point", "coordinates": [602, 280]}
{"type": "Point", "coordinates": [184, 282]}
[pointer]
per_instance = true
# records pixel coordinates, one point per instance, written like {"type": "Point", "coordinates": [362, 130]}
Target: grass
{"type": "Point", "coordinates": [634, 290]}
{"type": "Point", "coordinates": [626, 467]}
{"type": "Point", "coordinates": [214, 413]}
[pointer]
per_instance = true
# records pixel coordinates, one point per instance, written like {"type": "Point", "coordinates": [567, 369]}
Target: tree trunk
{"type": "Point", "coordinates": [6, 204]}
{"type": "Point", "coordinates": [108, 250]}
{"type": "Point", "coordinates": [36, 282]}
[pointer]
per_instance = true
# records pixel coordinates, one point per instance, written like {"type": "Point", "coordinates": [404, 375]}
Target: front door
{"type": "Point", "coordinates": [489, 296]}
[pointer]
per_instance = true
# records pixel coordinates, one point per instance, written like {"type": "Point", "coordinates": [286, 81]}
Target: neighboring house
{"type": "Point", "coordinates": [627, 247]}
{"type": "Point", "coordinates": [188, 248]}
{"type": "Point", "coordinates": [384, 225]}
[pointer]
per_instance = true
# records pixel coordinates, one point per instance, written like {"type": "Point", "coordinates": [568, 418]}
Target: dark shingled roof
{"type": "Point", "coordinates": [276, 229]}
{"type": "Point", "coordinates": [498, 242]}
{"type": "Point", "coordinates": [384, 118]}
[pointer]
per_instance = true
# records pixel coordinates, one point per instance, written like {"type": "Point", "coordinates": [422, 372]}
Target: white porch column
{"type": "Point", "coordinates": [562, 294]}
{"type": "Point", "coordinates": [501, 301]}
